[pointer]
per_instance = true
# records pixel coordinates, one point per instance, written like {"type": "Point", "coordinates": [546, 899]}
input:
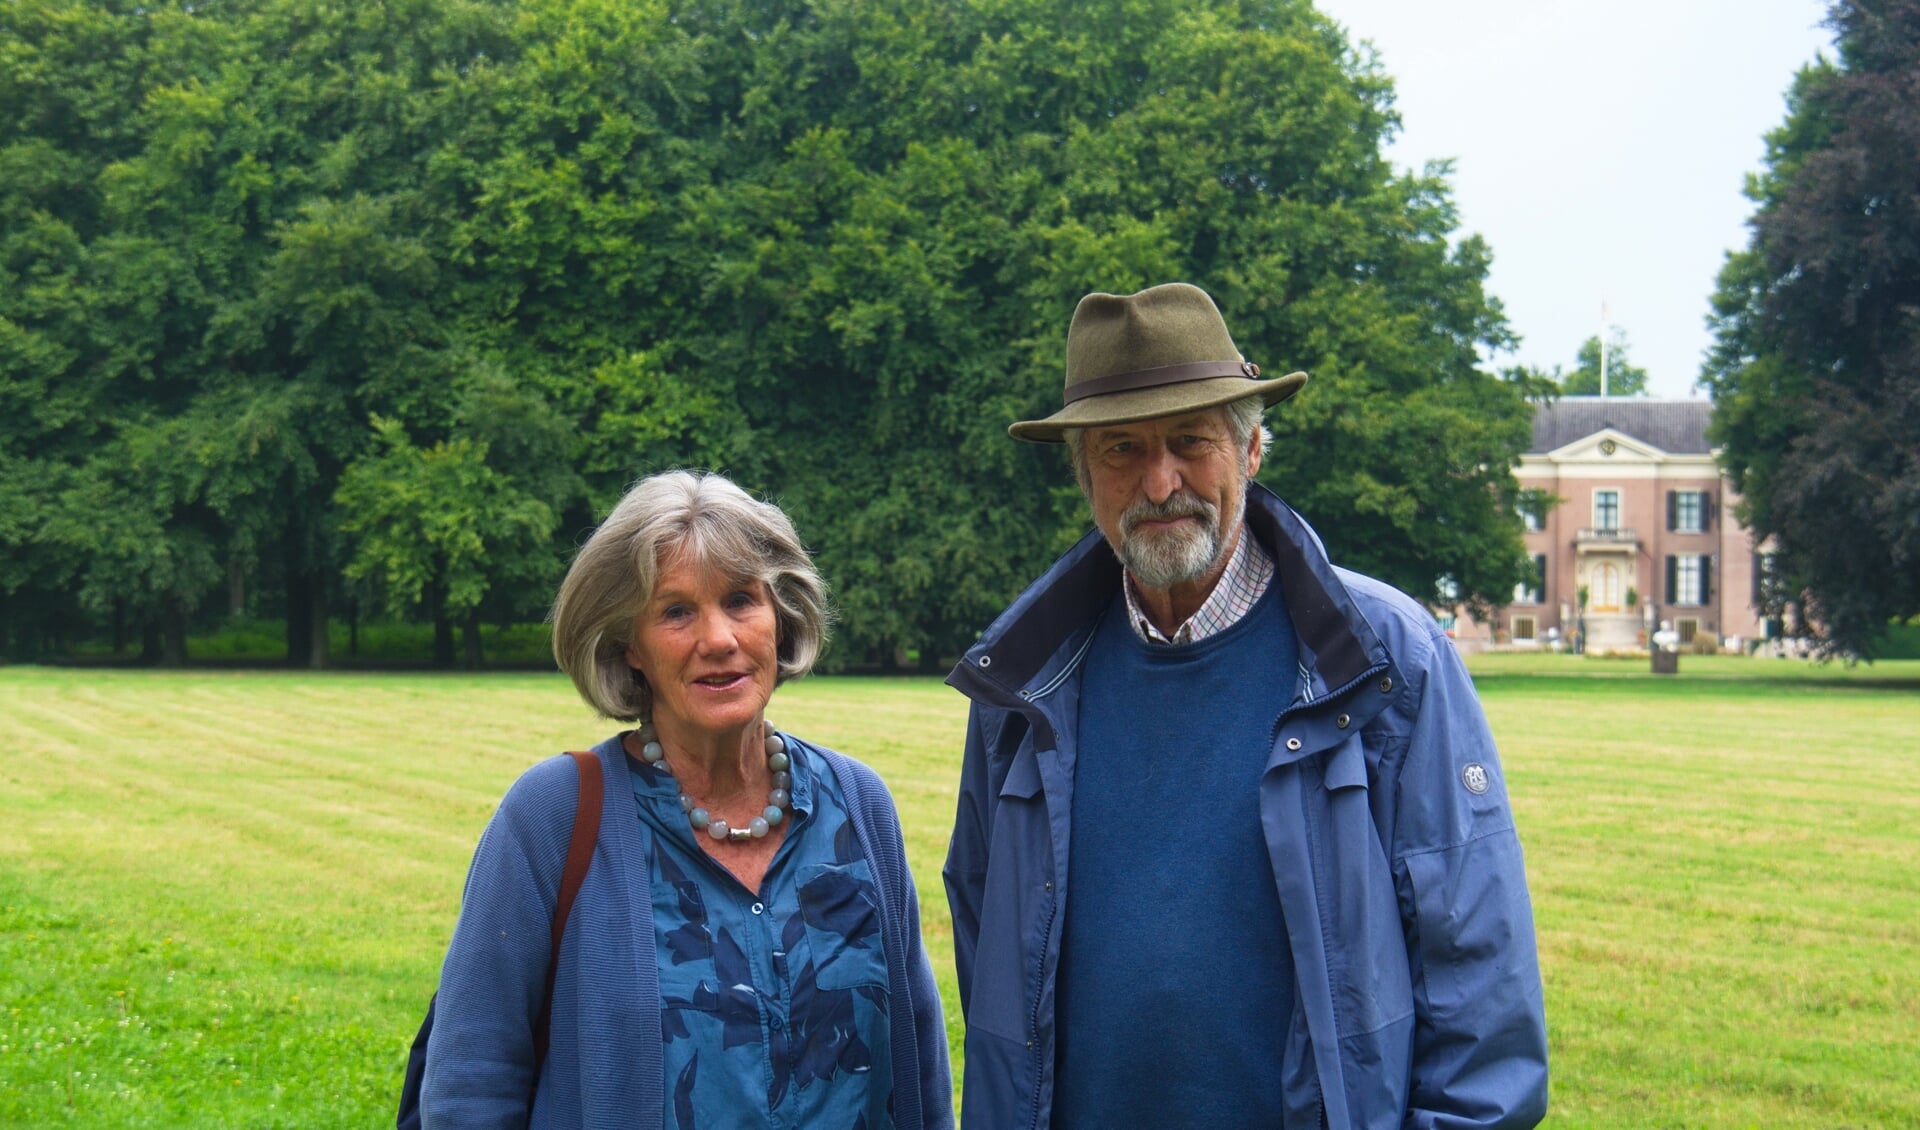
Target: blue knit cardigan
{"type": "Point", "coordinates": [603, 1065]}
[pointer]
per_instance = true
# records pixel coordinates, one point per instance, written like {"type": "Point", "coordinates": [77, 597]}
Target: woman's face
{"type": "Point", "coordinates": [708, 645]}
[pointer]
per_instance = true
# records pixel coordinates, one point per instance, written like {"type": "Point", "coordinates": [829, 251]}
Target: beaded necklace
{"type": "Point", "coordinates": [778, 800]}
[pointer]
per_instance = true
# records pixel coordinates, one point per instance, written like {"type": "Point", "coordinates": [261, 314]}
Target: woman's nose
{"type": "Point", "coordinates": [716, 633]}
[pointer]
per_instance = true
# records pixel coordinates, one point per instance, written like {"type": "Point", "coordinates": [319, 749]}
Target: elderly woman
{"type": "Point", "coordinates": [745, 947]}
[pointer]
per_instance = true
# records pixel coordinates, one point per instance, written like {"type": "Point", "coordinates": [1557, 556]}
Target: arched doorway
{"type": "Point", "coordinates": [1603, 588]}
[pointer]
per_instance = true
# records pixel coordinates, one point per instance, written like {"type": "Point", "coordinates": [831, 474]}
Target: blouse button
{"type": "Point", "coordinates": [758, 908]}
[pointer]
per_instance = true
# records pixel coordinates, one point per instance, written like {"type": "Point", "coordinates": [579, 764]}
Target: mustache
{"type": "Point", "coordinates": [1181, 504]}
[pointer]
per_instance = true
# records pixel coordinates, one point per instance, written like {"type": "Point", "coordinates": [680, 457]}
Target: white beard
{"type": "Point", "coordinates": [1184, 553]}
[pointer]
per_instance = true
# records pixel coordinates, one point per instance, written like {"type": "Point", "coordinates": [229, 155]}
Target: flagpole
{"type": "Point", "coordinates": [1603, 349]}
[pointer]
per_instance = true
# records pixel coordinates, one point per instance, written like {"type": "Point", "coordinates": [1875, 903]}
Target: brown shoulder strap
{"type": "Point", "coordinates": [586, 832]}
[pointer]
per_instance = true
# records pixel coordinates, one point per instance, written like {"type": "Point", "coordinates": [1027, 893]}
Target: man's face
{"type": "Point", "coordinates": [1168, 493]}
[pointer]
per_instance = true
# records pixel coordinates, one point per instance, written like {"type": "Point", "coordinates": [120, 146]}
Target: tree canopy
{"type": "Point", "coordinates": [383, 306]}
{"type": "Point", "coordinates": [1623, 377]}
{"type": "Point", "coordinates": [1815, 371]}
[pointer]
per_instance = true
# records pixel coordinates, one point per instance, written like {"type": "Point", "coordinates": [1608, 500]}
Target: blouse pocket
{"type": "Point", "coordinates": [841, 910]}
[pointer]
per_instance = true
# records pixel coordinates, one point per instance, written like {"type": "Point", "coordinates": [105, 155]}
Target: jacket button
{"type": "Point", "coordinates": [986, 661]}
{"type": "Point", "coordinates": [1342, 721]}
{"type": "Point", "coordinates": [1293, 744]}
{"type": "Point", "coordinates": [1386, 685]}
{"type": "Point", "coordinates": [1049, 884]}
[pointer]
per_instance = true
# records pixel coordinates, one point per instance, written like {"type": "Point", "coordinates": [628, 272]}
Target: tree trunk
{"type": "Point", "coordinates": [353, 629]}
{"type": "Point", "coordinates": [319, 647]}
{"type": "Point", "coordinates": [470, 640]}
{"type": "Point", "coordinates": [236, 589]}
{"type": "Point", "coordinates": [173, 636]}
{"type": "Point", "coordinates": [442, 627]}
{"type": "Point", "coordinates": [299, 623]}
{"type": "Point", "coordinates": [119, 629]}
{"type": "Point", "coordinates": [150, 649]}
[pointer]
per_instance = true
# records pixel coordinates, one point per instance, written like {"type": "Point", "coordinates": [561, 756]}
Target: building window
{"type": "Point", "coordinates": [1606, 510]}
{"type": "Point", "coordinates": [1523, 629]}
{"type": "Point", "coordinates": [1766, 579]}
{"type": "Point", "coordinates": [1687, 511]}
{"type": "Point", "coordinates": [1688, 627]}
{"type": "Point", "coordinates": [1688, 578]}
{"type": "Point", "coordinates": [1533, 590]}
{"type": "Point", "coordinates": [1531, 518]}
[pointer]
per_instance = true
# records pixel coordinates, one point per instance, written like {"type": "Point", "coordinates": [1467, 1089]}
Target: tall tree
{"type": "Point", "coordinates": [858, 233]}
{"type": "Point", "coordinates": [1815, 372]}
{"type": "Point", "coordinates": [829, 248]}
{"type": "Point", "coordinates": [1624, 378]}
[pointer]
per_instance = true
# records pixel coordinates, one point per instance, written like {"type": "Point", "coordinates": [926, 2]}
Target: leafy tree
{"type": "Point", "coordinates": [1815, 372]}
{"type": "Point", "coordinates": [831, 249]}
{"type": "Point", "coordinates": [227, 220]}
{"type": "Point", "coordinates": [859, 233]}
{"type": "Point", "coordinates": [438, 526]}
{"type": "Point", "coordinates": [1623, 377]}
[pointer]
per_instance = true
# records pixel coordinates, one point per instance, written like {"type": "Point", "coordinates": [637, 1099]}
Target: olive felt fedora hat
{"type": "Point", "coordinates": [1162, 352]}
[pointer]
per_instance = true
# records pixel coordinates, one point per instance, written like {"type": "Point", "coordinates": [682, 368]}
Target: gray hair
{"type": "Point", "coordinates": [1243, 417]}
{"type": "Point", "coordinates": [712, 523]}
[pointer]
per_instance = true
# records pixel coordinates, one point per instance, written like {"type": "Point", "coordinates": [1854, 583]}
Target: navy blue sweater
{"type": "Point", "coordinates": [1175, 983]}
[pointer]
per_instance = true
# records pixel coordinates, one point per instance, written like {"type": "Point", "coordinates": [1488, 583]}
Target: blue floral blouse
{"type": "Point", "coordinates": [773, 1002]}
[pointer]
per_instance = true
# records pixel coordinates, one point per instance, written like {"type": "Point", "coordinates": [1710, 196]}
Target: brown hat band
{"type": "Point", "coordinates": [1164, 375]}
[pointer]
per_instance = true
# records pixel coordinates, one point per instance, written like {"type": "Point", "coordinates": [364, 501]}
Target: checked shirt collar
{"type": "Point", "coordinates": [1249, 571]}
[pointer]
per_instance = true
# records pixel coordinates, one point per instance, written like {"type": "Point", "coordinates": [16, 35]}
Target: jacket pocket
{"type": "Point", "coordinates": [1016, 907]}
{"type": "Point", "coordinates": [1470, 902]}
{"type": "Point", "coordinates": [998, 1092]}
{"type": "Point", "coordinates": [1367, 952]}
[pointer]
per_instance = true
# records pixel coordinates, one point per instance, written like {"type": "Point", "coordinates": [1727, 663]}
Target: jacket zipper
{"type": "Point", "coordinates": [1033, 1017]}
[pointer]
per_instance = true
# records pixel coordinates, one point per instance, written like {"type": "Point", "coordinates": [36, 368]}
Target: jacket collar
{"type": "Point", "coordinates": [1038, 638]}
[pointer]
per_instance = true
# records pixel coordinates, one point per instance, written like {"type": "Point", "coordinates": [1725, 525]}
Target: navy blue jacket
{"type": "Point", "coordinates": [1393, 852]}
{"type": "Point", "coordinates": [603, 1066]}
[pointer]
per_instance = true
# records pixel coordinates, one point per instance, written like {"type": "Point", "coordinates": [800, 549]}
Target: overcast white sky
{"type": "Point", "coordinates": [1600, 148]}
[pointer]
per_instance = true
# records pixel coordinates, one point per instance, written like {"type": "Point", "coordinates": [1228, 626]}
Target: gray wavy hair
{"type": "Point", "coordinates": [714, 525]}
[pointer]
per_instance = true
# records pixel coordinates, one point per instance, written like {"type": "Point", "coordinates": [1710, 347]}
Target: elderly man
{"type": "Point", "coordinates": [1233, 844]}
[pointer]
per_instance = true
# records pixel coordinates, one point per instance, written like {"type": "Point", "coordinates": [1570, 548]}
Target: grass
{"type": "Point", "coordinates": [376, 644]}
{"type": "Point", "coordinates": [223, 895]}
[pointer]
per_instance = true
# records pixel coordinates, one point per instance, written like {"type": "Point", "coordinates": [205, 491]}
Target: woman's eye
{"type": "Point", "coordinates": [742, 598]}
{"type": "Point", "coordinates": [673, 612]}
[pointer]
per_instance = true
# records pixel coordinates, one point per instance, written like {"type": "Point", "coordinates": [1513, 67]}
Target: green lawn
{"type": "Point", "coordinates": [223, 896]}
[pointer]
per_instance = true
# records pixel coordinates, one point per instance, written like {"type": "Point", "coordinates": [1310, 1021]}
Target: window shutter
{"type": "Point", "coordinates": [1706, 511]}
{"type": "Point", "coordinates": [1706, 578]}
{"type": "Point", "coordinates": [1673, 510]}
{"type": "Point", "coordinates": [1673, 568]}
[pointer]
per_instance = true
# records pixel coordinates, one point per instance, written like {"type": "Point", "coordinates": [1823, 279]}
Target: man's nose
{"type": "Point", "coordinates": [1162, 479]}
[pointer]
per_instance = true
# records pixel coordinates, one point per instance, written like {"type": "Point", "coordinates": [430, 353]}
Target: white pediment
{"type": "Point", "coordinates": [1608, 445]}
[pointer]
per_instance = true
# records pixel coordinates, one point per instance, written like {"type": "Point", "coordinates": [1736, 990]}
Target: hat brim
{"type": "Point", "coordinates": [1152, 403]}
